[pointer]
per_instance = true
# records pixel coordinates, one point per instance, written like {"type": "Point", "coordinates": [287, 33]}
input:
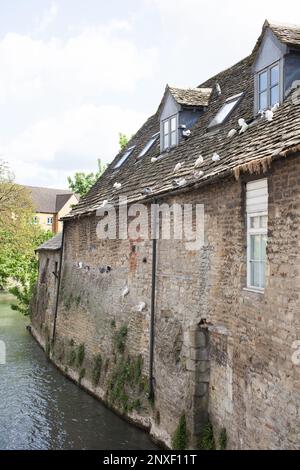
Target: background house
{"type": "Point", "coordinates": [51, 205]}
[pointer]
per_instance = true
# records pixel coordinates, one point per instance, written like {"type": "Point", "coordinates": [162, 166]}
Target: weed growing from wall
{"type": "Point", "coordinates": [223, 439]}
{"type": "Point", "coordinates": [207, 441]}
{"type": "Point", "coordinates": [80, 355]}
{"type": "Point", "coordinates": [96, 371]}
{"type": "Point", "coordinates": [180, 437]}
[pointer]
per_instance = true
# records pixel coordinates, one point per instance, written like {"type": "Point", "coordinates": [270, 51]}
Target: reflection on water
{"type": "Point", "coordinates": [40, 409]}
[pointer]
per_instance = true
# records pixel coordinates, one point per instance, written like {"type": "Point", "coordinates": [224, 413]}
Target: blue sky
{"type": "Point", "coordinates": [75, 73]}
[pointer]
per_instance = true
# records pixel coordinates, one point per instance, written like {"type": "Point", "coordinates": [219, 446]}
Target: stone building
{"type": "Point", "coordinates": [160, 332]}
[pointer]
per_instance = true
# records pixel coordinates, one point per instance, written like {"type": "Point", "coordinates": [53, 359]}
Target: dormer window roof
{"type": "Point", "coordinates": [191, 96]}
{"type": "Point", "coordinates": [225, 110]}
{"type": "Point", "coordinates": [148, 146]}
{"type": "Point", "coordinates": [124, 157]}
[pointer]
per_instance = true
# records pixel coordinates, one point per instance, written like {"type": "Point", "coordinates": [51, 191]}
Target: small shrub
{"type": "Point", "coordinates": [223, 439]}
{"type": "Point", "coordinates": [80, 355]}
{"type": "Point", "coordinates": [96, 372]}
{"type": "Point", "coordinates": [113, 323]}
{"type": "Point", "coordinates": [180, 437]}
{"type": "Point", "coordinates": [120, 338]}
{"type": "Point", "coordinates": [72, 358]}
{"type": "Point", "coordinates": [207, 441]}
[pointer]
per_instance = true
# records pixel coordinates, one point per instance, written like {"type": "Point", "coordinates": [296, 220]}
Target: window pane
{"type": "Point", "coordinates": [223, 113]}
{"type": "Point", "coordinates": [263, 221]}
{"type": "Point", "coordinates": [166, 127]}
{"type": "Point", "coordinates": [263, 101]}
{"type": "Point", "coordinates": [275, 75]}
{"type": "Point", "coordinates": [263, 249]}
{"type": "Point", "coordinates": [274, 95]}
{"type": "Point", "coordinates": [255, 222]}
{"type": "Point", "coordinates": [262, 275]}
{"type": "Point", "coordinates": [173, 124]}
{"type": "Point", "coordinates": [173, 138]}
{"type": "Point", "coordinates": [263, 81]}
{"type": "Point", "coordinates": [254, 275]}
{"type": "Point", "coordinates": [255, 247]}
{"type": "Point", "coordinates": [166, 141]}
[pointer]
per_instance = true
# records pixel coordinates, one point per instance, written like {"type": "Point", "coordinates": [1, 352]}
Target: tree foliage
{"type": "Point", "coordinates": [82, 182]}
{"type": "Point", "coordinates": [18, 239]}
{"type": "Point", "coordinates": [123, 140]}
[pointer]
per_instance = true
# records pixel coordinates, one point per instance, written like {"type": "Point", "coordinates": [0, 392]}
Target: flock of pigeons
{"type": "Point", "coordinates": [179, 182]}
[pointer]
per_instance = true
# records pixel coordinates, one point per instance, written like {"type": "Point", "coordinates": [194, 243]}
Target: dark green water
{"type": "Point", "coordinates": [41, 409]}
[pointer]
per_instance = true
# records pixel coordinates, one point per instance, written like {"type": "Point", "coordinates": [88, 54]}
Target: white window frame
{"type": "Point", "coordinates": [149, 144]}
{"type": "Point", "coordinates": [170, 132]}
{"type": "Point", "coordinates": [250, 232]}
{"type": "Point", "coordinates": [48, 220]}
{"type": "Point", "coordinates": [269, 86]}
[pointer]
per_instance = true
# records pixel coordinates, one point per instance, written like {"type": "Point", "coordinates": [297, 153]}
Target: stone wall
{"type": "Point", "coordinates": [220, 350]}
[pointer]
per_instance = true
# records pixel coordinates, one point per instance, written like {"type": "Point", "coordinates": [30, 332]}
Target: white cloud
{"type": "Point", "coordinates": [94, 62]}
{"type": "Point", "coordinates": [47, 18]}
{"type": "Point", "coordinates": [56, 147]}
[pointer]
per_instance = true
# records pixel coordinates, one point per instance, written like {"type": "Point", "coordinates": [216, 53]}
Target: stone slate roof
{"type": "Point", "coordinates": [251, 151]}
{"type": "Point", "coordinates": [54, 244]}
{"type": "Point", "coordinates": [48, 200]}
{"type": "Point", "coordinates": [191, 96]}
{"type": "Point", "coordinates": [288, 34]}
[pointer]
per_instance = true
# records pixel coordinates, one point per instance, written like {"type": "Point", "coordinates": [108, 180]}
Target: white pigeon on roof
{"type": "Point", "coordinates": [200, 173]}
{"type": "Point", "coordinates": [177, 167]}
{"type": "Point", "coordinates": [117, 186]}
{"type": "Point", "coordinates": [269, 115]}
{"type": "Point", "coordinates": [104, 203]}
{"type": "Point", "coordinates": [198, 162]}
{"type": "Point", "coordinates": [231, 133]}
{"type": "Point", "coordinates": [243, 125]}
{"type": "Point", "coordinates": [275, 107]}
{"type": "Point", "coordinates": [179, 182]}
{"type": "Point", "coordinates": [186, 133]}
{"type": "Point", "coordinates": [241, 122]}
{"type": "Point", "coordinates": [218, 89]}
{"type": "Point", "coordinates": [216, 157]}
{"type": "Point", "coordinates": [153, 159]}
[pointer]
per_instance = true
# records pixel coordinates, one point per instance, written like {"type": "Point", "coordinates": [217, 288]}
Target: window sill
{"type": "Point", "coordinates": [254, 290]}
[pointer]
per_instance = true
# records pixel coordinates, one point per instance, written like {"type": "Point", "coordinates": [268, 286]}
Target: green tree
{"type": "Point", "coordinates": [18, 239]}
{"type": "Point", "coordinates": [123, 140]}
{"type": "Point", "coordinates": [82, 182]}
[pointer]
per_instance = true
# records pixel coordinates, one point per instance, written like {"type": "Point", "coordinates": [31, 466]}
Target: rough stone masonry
{"type": "Point", "coordinates": [220, 352]}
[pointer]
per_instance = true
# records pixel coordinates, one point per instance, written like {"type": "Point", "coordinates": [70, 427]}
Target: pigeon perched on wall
{"type": "Point", "coordinates": [141, 306]}
{"type": "Point", "coordinates": [125, 292]}
{"type": "Point", "coordinates": [198, 162]}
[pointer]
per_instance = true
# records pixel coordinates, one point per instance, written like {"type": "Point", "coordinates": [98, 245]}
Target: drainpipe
{"type": "Point", "coordinates": [58, 283]}
{"type": "Point", "coordinates": [153, 292]}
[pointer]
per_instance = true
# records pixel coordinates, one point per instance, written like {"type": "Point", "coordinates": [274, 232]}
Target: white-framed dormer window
{"type": "Point", "coordinates": [49, 220]}
{"type": "Point", "coordinates": [169, 132]}
{"type": "Point", "coordinates": [268, 87]}
{"type": "Point", "coordinates": [257, 233]}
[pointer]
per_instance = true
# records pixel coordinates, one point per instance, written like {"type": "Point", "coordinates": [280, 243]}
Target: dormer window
{"type": "Point", "coordinates": [268, 87]}
{"type": "Point", "coordinates": [124, 157]}
{"type": "Point", "coordinates": [225, 110]}
{"type": "Point", "coordinates": [169, 132]}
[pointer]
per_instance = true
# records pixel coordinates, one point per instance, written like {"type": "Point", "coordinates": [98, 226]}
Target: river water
{"type": "Point", "coordinates": [41, 409]}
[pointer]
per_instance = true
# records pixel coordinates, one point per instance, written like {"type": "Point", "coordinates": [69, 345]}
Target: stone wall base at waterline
{"type": "Point", "coordinates": [159, 436]}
